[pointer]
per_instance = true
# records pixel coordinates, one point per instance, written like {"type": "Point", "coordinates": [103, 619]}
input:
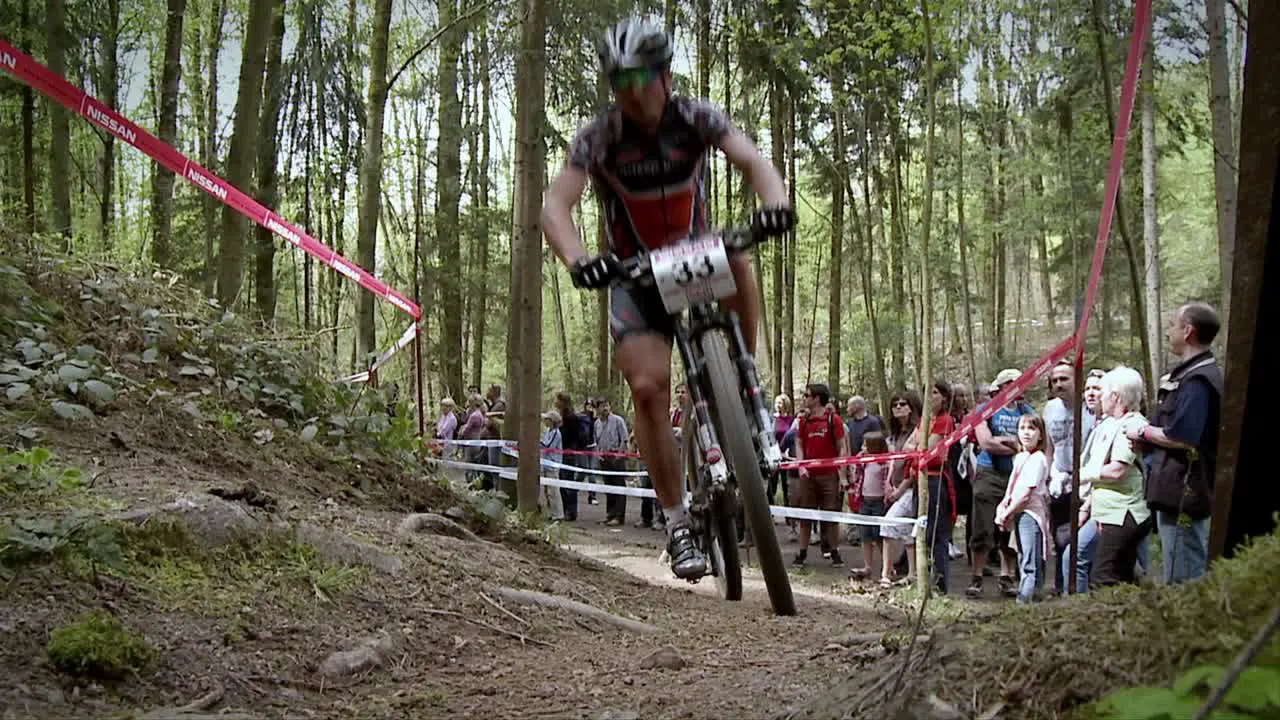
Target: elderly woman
{"type": "Point", "coordinates": [553, 444]}
{"type": "Point", "coordinates": [1116, 505]}
{"type": "Point", "coordinates": [447, 425]}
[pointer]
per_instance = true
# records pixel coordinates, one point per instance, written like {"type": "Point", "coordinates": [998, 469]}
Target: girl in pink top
{"type": "Point", "coordinates": [869, 482]}
{"type": "Point", "coordinates": [1025, 506]}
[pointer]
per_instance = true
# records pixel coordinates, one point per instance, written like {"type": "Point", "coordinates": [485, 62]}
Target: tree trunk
{"type": "Point", "coordinates": [28, 137]}
{"type": "Point", "coordinates": [965, 283]}
{"type": "Point", "coordinates": [669, 16]}
{"type": "Point", "coordinates": [866, 262]}
{"type": "Point", "coordinates": [60, 132]}
{"type": "Point", "coordinates": [162, 178]}
{"type": "Point", "coordinates": [1137, 315]}
{"type": "Point", "coordinates": [209, 137]}
{"type": "Point", "coordinates": [897, 251]}
{"type": "Point", "coordinates": [482, 173]}
{"type": "Point", "coordinates": [1150, 216]}
{"type": "Point", "coordinates": [926, 295]}
{"type": "Point", "coordinates": [777, 143]}
{"type": "Point", "coordinates": [448, 192]}
{"type": "Point", "coordinates": [371, 175]}
{"type": "Point", "coordinates": [793, 247]}
{"type": "Point", "coordinates": [530, 84]}
{"type": "Point", "coordinates": [109, 81]}
{"type": "Point", "coordinates": [243, 148]}
{"type": "Point", "coordinates": [1224, 157]}
{"type": "Point", "coordinates": [836, 295]}
{"type": "Point", "coordinates": [268, 193]}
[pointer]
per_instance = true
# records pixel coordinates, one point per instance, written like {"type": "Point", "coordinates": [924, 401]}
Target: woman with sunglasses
{"type": "Point", "coordinates": [646, 156]}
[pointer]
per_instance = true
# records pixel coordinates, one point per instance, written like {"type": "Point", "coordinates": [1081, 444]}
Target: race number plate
{"type": "Point", "coordinates": [692, 272]}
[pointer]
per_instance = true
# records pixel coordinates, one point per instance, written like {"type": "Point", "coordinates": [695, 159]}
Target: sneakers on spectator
{"type": "Point", "coordinates": [836, 560]}
{"type": "Point", "coordinates": [613, 522]}
{"type": "Point", "coordinates": [800, 558]}
{"type": "Point", "coordinates": [1008, 587]}
{"type": "Point", "coordinates": [687, 561]}
{"type": "Point", "coordinates": [975, 587]}
{"type": "Point", "coordinates": [955, 551]}
{"type": "Point", "coordinates": [642, 524]}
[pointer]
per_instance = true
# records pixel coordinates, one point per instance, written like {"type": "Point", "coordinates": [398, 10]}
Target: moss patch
{"type": "Point", "coordinates": [98, 646]}
{"type": "Point", "coordinates": [165, 560]}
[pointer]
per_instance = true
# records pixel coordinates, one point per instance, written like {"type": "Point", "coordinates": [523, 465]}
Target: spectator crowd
{"type": "Point", "coordinates": [1143, 472]}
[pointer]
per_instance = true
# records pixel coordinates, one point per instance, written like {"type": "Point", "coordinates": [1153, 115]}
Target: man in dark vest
{"type": "Point", "coordinates": [1182, 443]}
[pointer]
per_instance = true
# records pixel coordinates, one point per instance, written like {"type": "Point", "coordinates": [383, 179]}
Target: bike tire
{"type": "Point", "coordinates": [720, 533]}
{"type": "Point", "coordinates": [735, 435]}
{"type": "Point", "coordinates": [724, 541]}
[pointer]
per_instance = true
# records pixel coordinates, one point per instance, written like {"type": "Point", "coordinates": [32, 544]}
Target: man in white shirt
{"type": "Point", "coordinates": [611, 437]}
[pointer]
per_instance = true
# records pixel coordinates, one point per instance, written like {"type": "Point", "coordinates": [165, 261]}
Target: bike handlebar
{"type": "Point", "coordinates": [635, 270]}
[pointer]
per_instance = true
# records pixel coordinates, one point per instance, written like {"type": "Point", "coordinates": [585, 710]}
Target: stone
{"type": "Point", "coordinates": [665, 658]}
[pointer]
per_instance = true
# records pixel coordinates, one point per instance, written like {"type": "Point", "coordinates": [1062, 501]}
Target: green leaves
{"type": "Point", "coordinates": [1254, 694]}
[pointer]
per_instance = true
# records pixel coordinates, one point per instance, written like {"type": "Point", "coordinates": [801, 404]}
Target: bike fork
{"type": "Point", "coordinates": [708, 443]}
{"type": "Point", "coordinates": [770, 453]}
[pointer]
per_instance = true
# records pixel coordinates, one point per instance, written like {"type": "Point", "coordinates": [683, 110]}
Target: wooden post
{"type": "Point", "coordinates": [417, 380]}
{"type": "Point", "coordinates": [1077, 431]}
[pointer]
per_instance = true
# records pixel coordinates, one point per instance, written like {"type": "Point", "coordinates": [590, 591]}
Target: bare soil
{"type": "Point", "coordinates": [446, 644]}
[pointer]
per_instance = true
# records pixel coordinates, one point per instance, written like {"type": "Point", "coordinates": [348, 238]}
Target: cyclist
{"type": "Point", "coordinates": [646, 156]}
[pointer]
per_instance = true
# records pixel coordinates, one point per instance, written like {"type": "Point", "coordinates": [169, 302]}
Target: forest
{"type": "Point", "coordinates": [946, 159]}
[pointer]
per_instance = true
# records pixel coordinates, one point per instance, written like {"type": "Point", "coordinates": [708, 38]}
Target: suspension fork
{"type": "Point", "coordinates": [749, 380]}
{"type": "Point", "coordinates": [705, 432]}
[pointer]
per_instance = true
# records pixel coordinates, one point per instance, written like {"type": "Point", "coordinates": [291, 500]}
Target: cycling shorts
{"type": "Point", "coordinates": [638, 311]}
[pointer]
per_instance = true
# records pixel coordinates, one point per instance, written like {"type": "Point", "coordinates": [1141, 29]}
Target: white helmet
{"type": "Point", "coordinates": [633, 43]}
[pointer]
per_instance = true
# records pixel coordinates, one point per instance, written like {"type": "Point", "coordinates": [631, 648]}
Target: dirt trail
{"type": "Point", "coordinates": [448, 644]}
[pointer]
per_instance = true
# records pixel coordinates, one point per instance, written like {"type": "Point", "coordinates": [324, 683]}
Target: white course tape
{"type": "Point", "coordinates": [781, 511]}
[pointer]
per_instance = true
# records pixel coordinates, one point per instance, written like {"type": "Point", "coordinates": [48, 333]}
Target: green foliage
{"type": "Point", "coordinates": [29, 470]}
{"type": "Point", "coordinates": [81, 537]}
{"type": "Point", "coordinates": [78, 538]}
{"type": "Point", "coordinates": [98, 646]}
{"type": "Point", "coordinates": [1254, 695]}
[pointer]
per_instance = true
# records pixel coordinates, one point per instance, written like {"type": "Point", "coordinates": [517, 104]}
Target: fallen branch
{"type": "Point", "coordinates": [529, 597]}
{"type": "Point", "coordinates": [483, 624]}
{"type": "Point", "coordinates": [505, 611]}
{"type": "Point", "coordinates": [194, 710]}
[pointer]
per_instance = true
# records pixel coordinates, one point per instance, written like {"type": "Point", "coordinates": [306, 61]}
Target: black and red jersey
{"type": "Point", "coordinates": [652, 188]}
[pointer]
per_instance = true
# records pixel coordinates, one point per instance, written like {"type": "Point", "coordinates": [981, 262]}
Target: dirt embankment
{"type": "Point", "coordinates": [340, 612]}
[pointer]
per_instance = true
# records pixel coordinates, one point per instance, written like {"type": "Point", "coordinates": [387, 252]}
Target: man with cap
{"type": "Point", "coordinates": [997, 444]}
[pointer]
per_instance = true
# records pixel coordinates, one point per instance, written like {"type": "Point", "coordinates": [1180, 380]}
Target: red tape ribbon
{"type": "Point", "coordinates": [41, 78]}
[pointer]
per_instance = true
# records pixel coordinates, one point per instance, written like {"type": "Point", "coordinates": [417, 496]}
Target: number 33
{"type": "Point", "coordinates": [686, 273]}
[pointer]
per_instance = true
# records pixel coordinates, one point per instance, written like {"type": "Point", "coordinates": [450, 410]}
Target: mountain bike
{"type": "Point", "coordinates": [729, 442]}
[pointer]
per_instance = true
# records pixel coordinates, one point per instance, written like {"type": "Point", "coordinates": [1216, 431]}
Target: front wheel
{"type": "Point", "coordinates": [735, 434]}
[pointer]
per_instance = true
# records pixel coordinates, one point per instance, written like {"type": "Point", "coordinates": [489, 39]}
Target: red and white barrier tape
{"type": "Point", "coordinates": [41, 78]}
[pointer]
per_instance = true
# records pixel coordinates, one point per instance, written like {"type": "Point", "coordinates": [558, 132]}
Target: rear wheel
{"type": "Point", "coordinates": [735, 434]}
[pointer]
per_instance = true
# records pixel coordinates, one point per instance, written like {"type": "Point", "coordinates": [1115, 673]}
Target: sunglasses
{"type": "Point", "coordinates": [632, 78]}
{"type": "Point", "coordinates": [900, 403]}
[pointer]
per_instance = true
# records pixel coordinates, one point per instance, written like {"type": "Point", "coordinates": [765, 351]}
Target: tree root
{"type": "Point", "coordinates": [438, 524]}
{"type": "Point", "coordinates": [530, 597]}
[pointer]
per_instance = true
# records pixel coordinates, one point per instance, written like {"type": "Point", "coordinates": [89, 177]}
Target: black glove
{"type": "Point", "coordinates": [774, 220]}
{"type": "Point", "coordinates": [591, 273]}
